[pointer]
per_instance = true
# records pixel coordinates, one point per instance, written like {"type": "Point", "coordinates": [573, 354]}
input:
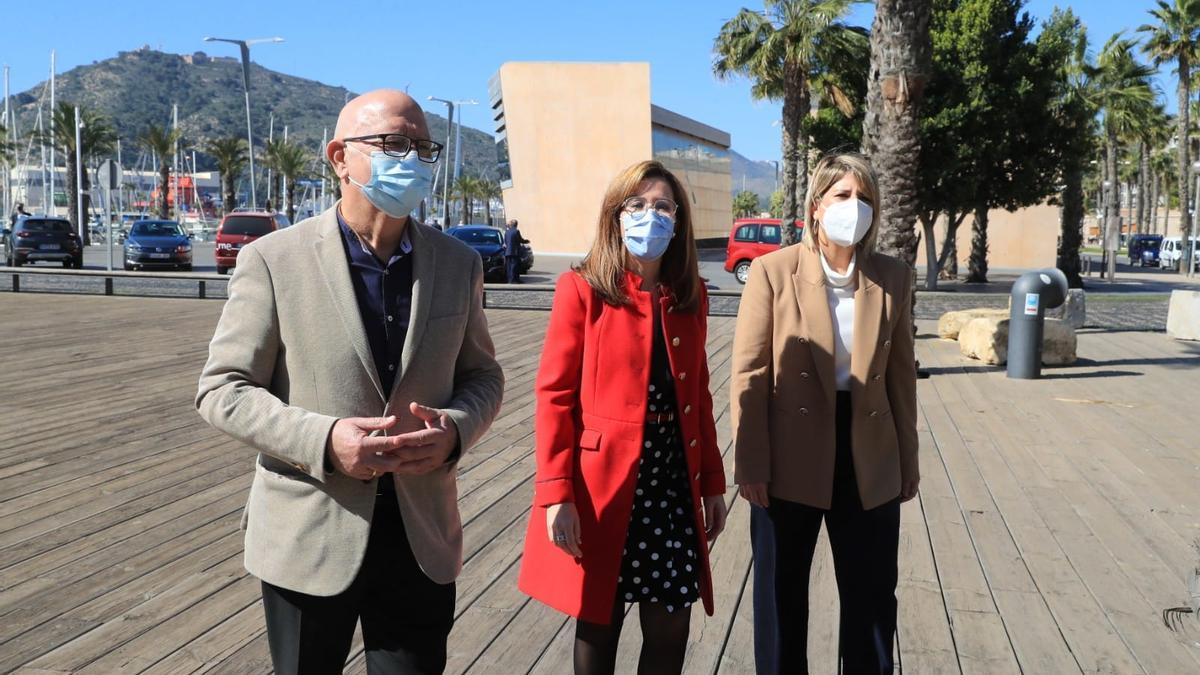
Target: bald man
{"type": "Point", "coordinates": [353, 355]}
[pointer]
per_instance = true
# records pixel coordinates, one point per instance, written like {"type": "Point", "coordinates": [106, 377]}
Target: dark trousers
{"type": "Point", "coordinates": [406, 617]}
{"type": "Point", "coordinates": [512, 268]}
{"type": "Point", "coordinates": [865, 545]}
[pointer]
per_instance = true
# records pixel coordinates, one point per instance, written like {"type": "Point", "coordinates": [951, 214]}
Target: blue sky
{"type": "Point", "coordinates": [449, 48]}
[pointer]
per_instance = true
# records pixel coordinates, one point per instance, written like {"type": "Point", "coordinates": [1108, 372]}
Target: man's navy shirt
{"type": "Point", "coordinates": [384, 293]}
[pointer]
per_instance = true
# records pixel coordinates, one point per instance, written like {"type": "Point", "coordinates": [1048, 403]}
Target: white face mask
{"type": "Point", "coordinates": [846, 223]}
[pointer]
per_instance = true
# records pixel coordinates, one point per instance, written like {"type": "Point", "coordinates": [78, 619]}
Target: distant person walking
{"type": "Point", "coordinates": [512, 251]}
{"type": "Point", "coordinates": [18, 212]}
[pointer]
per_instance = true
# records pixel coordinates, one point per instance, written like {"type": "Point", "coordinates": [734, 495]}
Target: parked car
{"type": "Point", "coordinates": [488, 242]}
{"type": "Point", "coordinates": [748, 239]}
{"type": "Point", "coordinates": [1144, 249]}
{"type": "Point", "coordinates": [1173, 252]}
{"type": "Point", "coordinates": [42, 239]}
{"type": "Point", "coordinates": [158, 244]}
{"type": "Point", "coordinates": [240, 228]}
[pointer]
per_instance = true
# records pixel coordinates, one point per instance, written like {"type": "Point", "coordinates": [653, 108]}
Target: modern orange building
{"type": "Point", "coordinates": [564, 130]}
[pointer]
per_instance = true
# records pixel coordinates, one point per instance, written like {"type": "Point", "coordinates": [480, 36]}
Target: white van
{"type": "Point", "coordinates": [1172, 251]}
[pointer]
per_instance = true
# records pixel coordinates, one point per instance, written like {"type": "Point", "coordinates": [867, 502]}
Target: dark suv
{"type": "Point", "coordinates": [42, 239]}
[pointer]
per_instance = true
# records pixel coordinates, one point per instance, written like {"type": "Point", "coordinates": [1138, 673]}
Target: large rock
{"type": "Point", "coordinates": [951, 323]}
{"type": "Point", "coordinates": [986, 339]}
{"type": "Point", "coordinates": [1183, 315]}
{"type": "Point", "coordinates": [1073, 311]}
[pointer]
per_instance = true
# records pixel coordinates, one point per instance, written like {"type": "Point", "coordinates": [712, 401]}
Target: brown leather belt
{"type": "Point", "coordinates": [660, 418]}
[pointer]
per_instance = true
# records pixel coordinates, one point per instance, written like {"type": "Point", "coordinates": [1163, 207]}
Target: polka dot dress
{"type": "Point", "coordinates": [659, 563]}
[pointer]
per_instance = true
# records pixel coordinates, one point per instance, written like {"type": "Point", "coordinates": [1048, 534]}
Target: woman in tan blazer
{"type": "Point", "coordinates": [824, 421]}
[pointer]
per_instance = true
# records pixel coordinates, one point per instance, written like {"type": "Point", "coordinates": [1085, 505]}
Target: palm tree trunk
{"type": "Point", "coordinates": [1152, 210]}
{"type": "Point", "coordinates": [931, 253]}
{"type": "Point", "coordinates": [793, 118]}
{"type": "Point", "coordinates": [977, 266]}
{"type": "Point", "coordinates": [275, 195]}
{"type": "Point", "coordinates": [230, 194]}
{"type": "Point", "coordinates": [1112, 199]}
{"type": "Point", "coordinates": [73, 195]}
{"type": "Point", "coordinates": [164, 191]}
{"type": "Point", "coordinates": [1144, 188]}
{"type": "Point", "coordinates": [1183, 162]}
{"type": "Point", "coordinates": [291, 199]}
{"type": "Point", "coordinates": [1072, 226]}
{"type": "Point", "coordinates": [948, 260]}
{"type": "Point", "coordinates": [900, 54]}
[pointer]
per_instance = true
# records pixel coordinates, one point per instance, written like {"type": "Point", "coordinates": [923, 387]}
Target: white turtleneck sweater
{"type": "Point", "coordinates": [839, 290]}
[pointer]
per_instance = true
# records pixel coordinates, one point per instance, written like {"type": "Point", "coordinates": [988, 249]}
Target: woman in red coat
{"type": "Point", "coordinates": [630, 485]}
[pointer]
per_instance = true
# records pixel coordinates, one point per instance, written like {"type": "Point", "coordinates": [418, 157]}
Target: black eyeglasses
{"type": "Point", "coordinates": [399, 145]}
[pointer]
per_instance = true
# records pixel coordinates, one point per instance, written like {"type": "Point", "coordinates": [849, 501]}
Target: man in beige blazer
{"type": "Point", "coordinates": [354, 356]}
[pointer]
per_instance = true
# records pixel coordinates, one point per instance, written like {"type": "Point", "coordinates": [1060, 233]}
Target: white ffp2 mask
{"type": "Point", "coordinates": [846, 223]}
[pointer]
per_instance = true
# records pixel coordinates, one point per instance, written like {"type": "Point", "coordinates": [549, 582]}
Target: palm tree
{"type": "Point", "coordinates": [6, 156]}
{"type": "Point", "coordinates": [900, 66]}
{"type": "Point", "coordinates": [466, 188]}
{"type": "Point", "coordinates": [161, 141]}
{"type": "Point", "coordinates": [96, 139]}
{"type": "Point", "coordinates": [1174, 38]}
{"type": "Point", "coordinates": [1162, 162]}
{"type": "Point", "coordinates": [1124, 96]}
{"type": "Point", "coordinates": [781, 48]}
{"type": "Point", "coordinates": [292, 161]}
{"type": "Point", "coordinates": [231, 157]}
{"type": "Point", "coordinates": [489, 190]}
{"type": "Point", "coordinates": [270, 160]}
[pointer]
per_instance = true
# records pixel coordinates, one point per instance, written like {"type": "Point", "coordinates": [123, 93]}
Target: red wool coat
{"type": "Point", "coordinates": [591, 409]}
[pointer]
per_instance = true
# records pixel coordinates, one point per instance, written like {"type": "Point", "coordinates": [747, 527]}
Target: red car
{"type": "Point", "coordinates": [240, 228]}
{"type": "Point", "coordinates": [750, 238]}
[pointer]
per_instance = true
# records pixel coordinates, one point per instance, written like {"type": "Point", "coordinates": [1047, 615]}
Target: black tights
{"type": "Point", "coordinates": [664, 641]}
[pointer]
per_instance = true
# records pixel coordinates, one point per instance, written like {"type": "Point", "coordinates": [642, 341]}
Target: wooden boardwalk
{"type": "Point", "coordinates": [1056, 517]}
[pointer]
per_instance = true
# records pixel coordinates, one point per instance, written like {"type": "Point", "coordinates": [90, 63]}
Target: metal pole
{"type": "Point", "coordinates": [7, 170]}
{"type": "Point", "coordinates": [110, 226]}
{"type": "Point", "coordinates": [250, 145]}
{"type": "Point", "coordinates": [175, 162]}
{"type": "Point", "coordinates": [51, 209]}
{"type": "Point", "coordinates": [79, 176]}
{"type": "Point", "coordinates": [446, 183]}
{"type": "Point", "coordinates": [324, 142]}
{"type": "Point", "coordinates": [121, 186]}
{"type": "Point", "coordinates": [270, 138]}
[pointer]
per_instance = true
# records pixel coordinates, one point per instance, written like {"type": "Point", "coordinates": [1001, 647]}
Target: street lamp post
{"type": "Point", "coordinates": [244, 46]}
{"type": "Point", "coordinates": [445, 164]}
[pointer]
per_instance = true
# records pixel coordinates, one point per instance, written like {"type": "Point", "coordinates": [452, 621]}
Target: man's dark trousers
{"type": "Point", "coordinates": [406, 617]}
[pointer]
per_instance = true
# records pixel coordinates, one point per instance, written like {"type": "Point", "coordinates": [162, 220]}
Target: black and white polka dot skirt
{"type": "Point", "coordinates": [660, 563]}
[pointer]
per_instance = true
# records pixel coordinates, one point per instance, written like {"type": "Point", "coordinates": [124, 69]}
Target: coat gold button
{"type": "Point", "coordinates": [803, 340]}
{"type": "Point", "coordinates": [887, 343]}
{"type": "Point", "coordinates": [687, 409]}
{"type": "Point", "coordinates": [874, 413]}
{"type": "Point", "coordinates": [674, 342]}
{"type": "Point", "coordinates": [804, 411]}
{"type": "Point", "coordinates": [693, 443]}
{"type": "Point", "coordinates": [875, 379]}
{"type": "Point", "coordinates": [804, 375]}
{"type": "Point", "coordinates": [683, 376]}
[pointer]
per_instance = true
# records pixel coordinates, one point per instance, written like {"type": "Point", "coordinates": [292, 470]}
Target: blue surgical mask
{"type": "Point", "coordinates": [647, 236]}
{"type": "Point", "coordinates": [397, 184]}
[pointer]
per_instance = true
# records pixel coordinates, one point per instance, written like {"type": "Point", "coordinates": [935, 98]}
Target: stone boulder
{"type": "Point", "coordinates": [986, 339]}
{"type": "Point", "coordinates": [1183, 315]}
{"type": "Point", "coordinates": [1073, 310]}
{"type": "Point", "coordinates": [951, 323]}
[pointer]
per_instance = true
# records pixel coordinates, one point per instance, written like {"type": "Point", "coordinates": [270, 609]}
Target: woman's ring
{"type": "Point", "coordinates": [560, 538]}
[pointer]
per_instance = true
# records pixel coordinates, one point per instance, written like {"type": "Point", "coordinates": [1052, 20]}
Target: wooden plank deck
{"type": "Point", "coordinates": [1056, 518]}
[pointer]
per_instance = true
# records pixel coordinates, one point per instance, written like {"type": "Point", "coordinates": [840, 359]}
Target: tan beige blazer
{"type": "Point", "coordinates": [784, 394]}
{"type": "Point", "coordinates": [290, 356]}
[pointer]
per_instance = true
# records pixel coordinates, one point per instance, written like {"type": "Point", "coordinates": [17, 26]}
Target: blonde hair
{"type": "Point", "coordinates": [604, 266]}
{"type": "Point", "coordinates": [829, 170]}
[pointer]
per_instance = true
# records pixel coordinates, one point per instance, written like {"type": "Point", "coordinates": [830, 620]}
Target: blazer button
{"type": "Point", "coordinates": [687, 409]}
{"type": "Point", "coordinates": [693, 443]}
{"type": "Point", "coordinates": [804, 411]}
{"type": "Point", "coordinates": [803, 340]}
{"type": "Point", "coordinates": [674, 342]}
{"type": "Point", "coordinates": [875, 379]}
{"type": "Point", "coordinates": [804, 375]}
{"type": "Point", "coordinates": [697, 478]}
{"type": "Point", "coordinates": [887, 343]}
{"type": "Point", "coordinates": [874, 413]}
{"type": "Point", "coordinates": [683, 376]}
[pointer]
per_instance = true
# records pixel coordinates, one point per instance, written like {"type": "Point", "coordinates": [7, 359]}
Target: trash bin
{"type": "Point", "coordinates": [1032, 294]}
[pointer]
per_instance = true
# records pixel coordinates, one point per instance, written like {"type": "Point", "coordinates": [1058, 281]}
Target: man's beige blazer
{"type": "Point", "coordinates": [290, 357]}
{"type": "Point", "coordinates": [783, 389]}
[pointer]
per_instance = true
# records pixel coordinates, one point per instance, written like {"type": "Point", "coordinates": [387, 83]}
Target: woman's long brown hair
{"type": "Point", "coordinates": [604, 267]}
